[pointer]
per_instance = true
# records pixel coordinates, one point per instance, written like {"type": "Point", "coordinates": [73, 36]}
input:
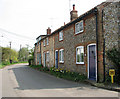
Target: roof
{"type": "Point", "coordinates": [40, 36]}
{"type": "Point", "coordinates": [93, 10]}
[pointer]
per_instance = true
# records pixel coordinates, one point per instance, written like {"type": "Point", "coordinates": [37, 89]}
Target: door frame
{"type": "Point", "coordinates": [55, 57]}
{"type": "Point", "coordinates": [44, 58]}
{"type": "Point", "coordinates": [88, 58]}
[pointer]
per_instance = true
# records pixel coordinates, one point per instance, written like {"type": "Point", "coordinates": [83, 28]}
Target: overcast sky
{"type": "Point", "coordinates": [21, 21]}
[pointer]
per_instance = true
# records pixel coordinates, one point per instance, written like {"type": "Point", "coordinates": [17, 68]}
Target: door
{"type": "Point", "coordinates": [56, 59]}
{"type": "Point", "coordinates": [39, 59]}
{"type": "Point", "coordinates": [92, 61]}
{"type": "Point", "coordinates": [44, 56]}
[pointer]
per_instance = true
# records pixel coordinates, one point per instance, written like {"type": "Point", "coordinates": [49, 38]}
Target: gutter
{"type": "Point", "coordinates": [72, 22]}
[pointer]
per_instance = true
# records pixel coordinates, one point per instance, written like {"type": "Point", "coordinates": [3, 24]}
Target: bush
{"type": "Point", "coordinates": [114, 56]}
{"type": "Point", "coordinates": [5, 63]}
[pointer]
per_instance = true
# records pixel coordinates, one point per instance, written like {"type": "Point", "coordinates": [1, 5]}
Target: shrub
{"type": "Point", "coordinates": [61, 73]}
{"type": "Point", "coordinates": [114, 56]}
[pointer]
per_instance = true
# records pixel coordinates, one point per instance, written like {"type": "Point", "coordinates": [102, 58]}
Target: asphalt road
{"type": "Point", "coordinates": [22, 81]}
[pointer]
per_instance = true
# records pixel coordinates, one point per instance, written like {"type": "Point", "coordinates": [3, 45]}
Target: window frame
{"type": "Point", "coordinates": [61, 32]}
{"type": "Point", "coordinates": [47, 41]}
{"type": "Point", "coordinates": [61, 56]}
{"type": "Point", "coordinates": [47, 56]}
{"type": "Point", "coordinates": [80, 54]}
{"type": "Point", "coordinates": [77, 32]}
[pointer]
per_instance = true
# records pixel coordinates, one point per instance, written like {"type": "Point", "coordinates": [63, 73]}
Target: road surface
{"type": "Point", "coordinates": [22, 81]}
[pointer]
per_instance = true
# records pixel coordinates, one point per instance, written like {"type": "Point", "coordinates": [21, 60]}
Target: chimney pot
{"type": "Point", "coordinates": [73, 6]}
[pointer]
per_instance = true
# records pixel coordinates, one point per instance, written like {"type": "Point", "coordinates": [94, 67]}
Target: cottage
{"type": "Point", "coordinates": [81, 44]}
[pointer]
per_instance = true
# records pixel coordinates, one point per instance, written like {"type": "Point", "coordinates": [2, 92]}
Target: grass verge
{"type": "Point", "coordinates": [2, 65]}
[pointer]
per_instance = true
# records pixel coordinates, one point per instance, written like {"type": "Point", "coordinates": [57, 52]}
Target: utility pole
{"type": "Point", "coordinates": [20, 53]}
{"type": "Point", "coordinates": [10, 53]}
{"type": "Point", "coordinates": [10, 44]}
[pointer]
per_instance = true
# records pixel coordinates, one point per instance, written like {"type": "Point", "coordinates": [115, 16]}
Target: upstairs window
{"type": "Point", "coordinates": [61, 36]}
{"type": "Point", "coordinates": [47, 41]}
{"type": "Point", "coordinates": [79, 27]}
{"type": "Point", "coordinates": [80, 55]}
{"type": "Point", "coordinates": [39, 38]}
{"type": "Point", "coordinates": [44, 43]}
{"type": "Point", "coordinates": [47, 56]}
{"type": "Point", "coordinates": [61, 55]}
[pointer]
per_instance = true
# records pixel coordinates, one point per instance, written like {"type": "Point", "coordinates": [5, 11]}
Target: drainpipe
{"type": "Point", "coordinates": [103, 50]}
{"type": "Point", "coordinates": [96, 13]}
{"type": "Point", "coordinates": [40, 52]}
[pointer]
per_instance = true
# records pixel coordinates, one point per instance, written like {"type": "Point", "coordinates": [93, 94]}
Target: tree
{"type": "Point", "coordinates": [8, 54]}
{"type": "Point", "coordinates": [23, 54]}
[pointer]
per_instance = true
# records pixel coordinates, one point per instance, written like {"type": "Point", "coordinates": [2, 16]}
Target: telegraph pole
{"type": "Point", "coordinates": [10, 53]}
{"type": "Point", "coordinates": [10, 44]}
{"type": "Point", "coordinates": [20, 53]}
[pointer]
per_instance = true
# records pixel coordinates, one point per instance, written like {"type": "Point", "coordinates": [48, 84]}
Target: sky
{"type": "Point", "coordinates": [22, 21]}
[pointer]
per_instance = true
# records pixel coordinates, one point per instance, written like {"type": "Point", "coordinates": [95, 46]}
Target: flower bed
{"type": "Point", "coordinates": [65, 74]}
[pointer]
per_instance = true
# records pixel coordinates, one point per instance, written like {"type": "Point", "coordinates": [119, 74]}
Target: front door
{"type": "Point", "coordinates": [39, 59]}
{"type": "Point", "coordinates": [56, 59]}
{"type": "Point", "coordinates": [92, 61]}
{"type": "Point", "coordinates": [44, 56]}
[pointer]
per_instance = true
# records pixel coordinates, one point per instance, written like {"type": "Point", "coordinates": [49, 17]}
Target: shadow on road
{"type": "Point", "coordinates": [28, 78]}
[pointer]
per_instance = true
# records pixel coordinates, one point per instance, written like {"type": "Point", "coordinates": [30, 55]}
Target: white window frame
{"type": "Point", "coordinates": [43, 42]}
{"type": "Point", "coordinates": [61, 57]}
{"type": "Point", "coordinates": [80, 47]}
{"type": "Point", "coordinates": [78, 27]}
{"type": "Point", "coordinates": [60, 35]}
{"type": "Point", "coordinates": [47, 56]}
{"type": "Point", "coordinates": [47, 41]}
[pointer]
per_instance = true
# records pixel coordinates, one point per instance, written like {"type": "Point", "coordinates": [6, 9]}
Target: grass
{"type": "Point", "coordinates": [3, 64]}
{"type": "Point", "coordinates": [60, 73]}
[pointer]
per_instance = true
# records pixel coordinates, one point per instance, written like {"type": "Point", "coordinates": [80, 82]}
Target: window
{"type": "Point", "coordinates": [39, 38]}
{"type": "Point", "coordinates": [47, 56]}
{"type": "Point", "coordinates": [80, 55]}
{"type": "Point", "coordinates": [47, 41]}
{"type": "Point", "coordinates": [61, 55]}
{"type": "Point", "coordinates": [61, 36]}
{"type": "Point", "coordinates": [79, 27]}
{"type": "Point", "coordinates": [44, 43]}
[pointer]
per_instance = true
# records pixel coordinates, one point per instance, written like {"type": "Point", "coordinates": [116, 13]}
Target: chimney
{"type": "Point", "coordinates": [48, 31]}
{"type": "Point", "coordinates": [73, 13]}
{"type": "Point", "coordinates": [64, 23]}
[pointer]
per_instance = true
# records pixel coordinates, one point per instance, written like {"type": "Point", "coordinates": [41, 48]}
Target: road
{"type": "Point", "coordinates": [22, 81]}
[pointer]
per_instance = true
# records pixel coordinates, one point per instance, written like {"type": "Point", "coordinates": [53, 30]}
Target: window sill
{"type": "Point", "coordinates": [60, 40]}
{"type": "Point", "coordinates": [61, 62]}
{"type": "Point", "coordinates": [80, 63]}
{"type": "Point", "coordinates": [79, 32]}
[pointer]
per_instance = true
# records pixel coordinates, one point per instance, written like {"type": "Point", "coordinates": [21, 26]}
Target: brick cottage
{"type": "Point", "coordinates": [81, 44]}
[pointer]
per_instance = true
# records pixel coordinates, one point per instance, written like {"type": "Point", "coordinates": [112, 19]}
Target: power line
{"type": "Point", "coordinates": [16, 34]}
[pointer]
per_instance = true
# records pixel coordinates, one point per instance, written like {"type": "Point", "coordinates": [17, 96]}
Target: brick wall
{"type": "Point", "coordinates": [111, 26]}
{"type": "Point", "coordinates": [49, 48]}
{"type": "Point", "coordinates": [71, 41]}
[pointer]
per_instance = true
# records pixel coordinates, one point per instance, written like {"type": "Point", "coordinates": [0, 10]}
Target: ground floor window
{"type": "Point", "coordinates": [80, 55]}
{"type": "Point", "coordinates": [47, 56]}
{"type": "Point", "coordinates": [61, 55]}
